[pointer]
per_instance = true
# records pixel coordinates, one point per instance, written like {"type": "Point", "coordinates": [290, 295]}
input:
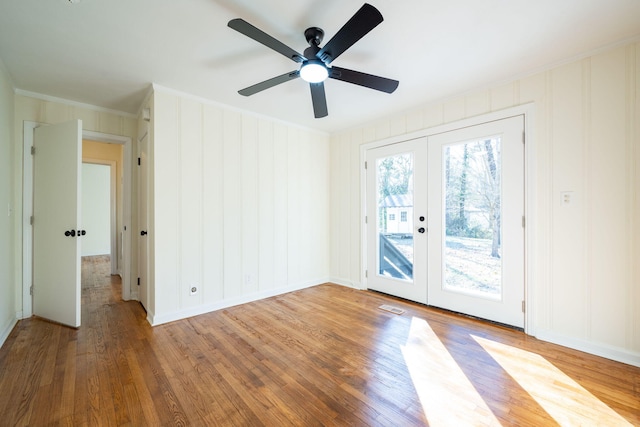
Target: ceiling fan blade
{"type": "Point", "coordinates": [382, 84]}
{"type": "Point", "coordinates": [319, 100]}
{"type": "Point", "coordinates": [259, 87]}
{"type": "Point", "coordinates": [242, 26]}
{"type": "Point", "coordinates": [364, 20]}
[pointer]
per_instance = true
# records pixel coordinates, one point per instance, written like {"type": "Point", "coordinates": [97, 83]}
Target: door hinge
{"type": "Point", "coordinates": [366, 219]}
{"type": "Point", "coordinates": [365, 165]}
{"type": "Point", "coordinates": [31, 220]}
{"type": "Point", "coordinates": [138, 281]}
{"type": "Point", "coordinates": [524, 222]}
{"type": "Point", "coordinates": [523, 306]}
{"type": "Point", "coordinates": [523, 136]}
{"type": "Point", "coordinates": [31, 290]}
{"type": "Point", "coordinates": [33, 150]}
{"type": "Point", "coordinates": [366, 273]}
{"type": "Point", "coordinates": [138, 161]}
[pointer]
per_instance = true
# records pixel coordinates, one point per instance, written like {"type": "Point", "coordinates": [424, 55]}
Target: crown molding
{"type": "Point", "coordinates": [70, 103]}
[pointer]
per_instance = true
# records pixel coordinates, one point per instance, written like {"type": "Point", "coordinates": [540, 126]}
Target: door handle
{"type": "Point", "coordinates": [71, 233]}
{"type": "Point", "coordinates": [143, 233]}
{"type": "Point", "coordinates": [421, 230]}
{"type": "Point", "coordinates": [81, 233]}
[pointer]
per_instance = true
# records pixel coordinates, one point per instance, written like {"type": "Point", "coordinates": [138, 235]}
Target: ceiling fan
{"type": "Point", "coordinates": [316, 61]}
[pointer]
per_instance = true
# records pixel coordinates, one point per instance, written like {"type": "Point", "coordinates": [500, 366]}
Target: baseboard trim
{"type": "Point", "coordinates": [603, 350]}
{"type": "Point", "coordinates": [156, 320]}
{"type": "Point", "coordinates": [150, 317]}
{"type": "Point", "coordinates": [6, 330]}
{"type": "Point", "coordinates": [346, 283]}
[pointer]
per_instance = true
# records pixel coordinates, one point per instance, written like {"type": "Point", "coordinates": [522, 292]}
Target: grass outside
{"type": "Point", "coordinates": [469, 265]}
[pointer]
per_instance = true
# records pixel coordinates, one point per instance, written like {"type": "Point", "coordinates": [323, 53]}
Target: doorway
{"type": "Point", "coordinates": [28, 247]}
{"type": "Point", "coordinates": [445, 220]}
{"type": "Point", "coordinates": [108, 158]}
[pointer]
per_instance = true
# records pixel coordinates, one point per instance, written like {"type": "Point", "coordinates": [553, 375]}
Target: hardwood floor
{"type": "Point", "coordinates": [326, 355]}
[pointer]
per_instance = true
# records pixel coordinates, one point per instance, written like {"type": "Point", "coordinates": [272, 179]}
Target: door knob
{"type": "Point", "coordinates": [82, 232]}
{"type": "Point", "coordinates": [143, 233]}
{"type": "Point", "coordinates": [421, 230]}
{"type": "Point", "coordinates": [71, 233]}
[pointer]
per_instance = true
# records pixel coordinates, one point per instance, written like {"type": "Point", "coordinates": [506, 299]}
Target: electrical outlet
{"type": "Point", "coordinates": [193, 290]}
{"type": "Point", "coordinates": [566, 198]}
{"type": "Point", "coordinates": [248, 279]}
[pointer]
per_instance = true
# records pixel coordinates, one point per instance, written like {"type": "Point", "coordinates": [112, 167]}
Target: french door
{"type": "Point", "coordinates": [397, 219]}
{"type": "Point", "coordinates": [476, 235]}
{"type": "Point", "coordinates": [445, 220]}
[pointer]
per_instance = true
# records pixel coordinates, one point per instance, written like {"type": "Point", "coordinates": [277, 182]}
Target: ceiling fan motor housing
{"type": "Point", "coordinates": [314, 36]}
{"type": "Point", "coordinates": [320, 71]}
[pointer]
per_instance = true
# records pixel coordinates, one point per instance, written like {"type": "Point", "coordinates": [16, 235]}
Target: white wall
{"type": "Point", "coordinates": [8, 316]}
{"type": "Point", "coordinates": [585, 260]}
{"type": "Point", "coordinates": [96, 209]}
{"type": "Point", "coordinates": [240, 207]}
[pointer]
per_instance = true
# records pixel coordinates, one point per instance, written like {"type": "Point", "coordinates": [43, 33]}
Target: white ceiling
{"type": "Point", "coordinates": [107, 52]}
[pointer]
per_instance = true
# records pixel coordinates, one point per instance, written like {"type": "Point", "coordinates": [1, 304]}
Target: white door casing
{"type": "Point", "coordinates": [143, 221]}
{"type": "Point", "coordinates": [56, 222]}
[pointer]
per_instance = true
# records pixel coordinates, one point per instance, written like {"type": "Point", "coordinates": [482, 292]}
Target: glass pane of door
{"type": "Point", "coordinates": [395, 216]}
{"type": "Point", "coordinates": [472, 237]}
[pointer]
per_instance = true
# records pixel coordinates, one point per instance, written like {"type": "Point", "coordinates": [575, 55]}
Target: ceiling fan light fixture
{"type": "Point", "coordinates": [313, 65]}
{"type": "Point", "coordinates": [314, 71]}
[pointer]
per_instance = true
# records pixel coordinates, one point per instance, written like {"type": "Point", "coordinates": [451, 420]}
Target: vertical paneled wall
{"type": "Point", "coordinates": [240, 206]}
{"type": "Point", "coordinates": [585, 256]}
{"type": "Point", "coordinates": [8, 289]}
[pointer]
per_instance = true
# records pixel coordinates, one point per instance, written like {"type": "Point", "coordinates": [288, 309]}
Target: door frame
{"type": "Point", "coordinates": [143, 241]}
{"type": "Point", "coordinates": [27, 209]}
{"type": "Point", "coordinates": [526, 110]}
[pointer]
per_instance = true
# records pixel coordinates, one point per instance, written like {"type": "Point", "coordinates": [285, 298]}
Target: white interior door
{"type": "Point", "coordinates": [56, 222]}
{"type": "Point", "coordinates": [476, 208]}
{"type": "Point", "coordinates": [396, 220]}
{"type": "Point", "coordinates": [143, 180]}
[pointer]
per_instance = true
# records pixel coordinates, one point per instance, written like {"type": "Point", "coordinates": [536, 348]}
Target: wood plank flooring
{"type": "Point", "coordinates": [326, 355]}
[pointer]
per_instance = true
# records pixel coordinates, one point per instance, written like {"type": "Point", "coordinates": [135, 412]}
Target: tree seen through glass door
{"type": "Point", "coordinates": [472, 188]}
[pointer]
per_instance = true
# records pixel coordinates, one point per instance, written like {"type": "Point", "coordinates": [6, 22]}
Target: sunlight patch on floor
{"type": "Point", "coordinates": [560, 396]}
{"type": "Point", "coordinates": [446, 394]}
